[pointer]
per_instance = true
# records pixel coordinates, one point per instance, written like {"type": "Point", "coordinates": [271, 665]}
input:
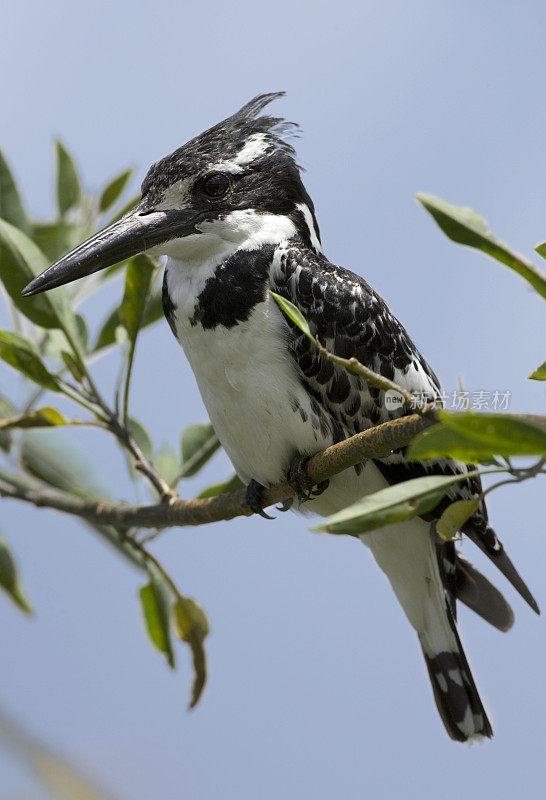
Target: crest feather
{"type": "Point", "coordinates": [220, 142]}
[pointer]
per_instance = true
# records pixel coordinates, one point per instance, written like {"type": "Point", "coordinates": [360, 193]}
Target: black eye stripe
{"type": "Point", "coordinates": [215, 185]}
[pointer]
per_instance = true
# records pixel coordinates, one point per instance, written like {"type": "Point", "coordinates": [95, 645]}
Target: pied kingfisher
{"type": "Point", "coordinates": [230, 212]}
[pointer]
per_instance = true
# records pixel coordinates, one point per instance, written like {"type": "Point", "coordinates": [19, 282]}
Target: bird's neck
{"type": "Point", "coordinates": [217, 277]}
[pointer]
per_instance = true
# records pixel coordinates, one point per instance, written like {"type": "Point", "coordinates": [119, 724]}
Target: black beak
{"type": "Point", "coordinates": [133, 233]}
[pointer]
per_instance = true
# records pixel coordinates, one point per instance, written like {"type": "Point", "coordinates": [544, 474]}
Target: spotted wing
{"type": "Point", "coordinates": [351, 320]}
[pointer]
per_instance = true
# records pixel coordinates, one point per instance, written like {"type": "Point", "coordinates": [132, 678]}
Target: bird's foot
{"type": "Point", "coordinates": [303, 487]}
{"type": "Point", "coordinates": [254, 498]}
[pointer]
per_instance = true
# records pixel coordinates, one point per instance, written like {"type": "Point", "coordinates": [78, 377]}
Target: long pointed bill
{"type": "Point", "coordinates": [130, 235]}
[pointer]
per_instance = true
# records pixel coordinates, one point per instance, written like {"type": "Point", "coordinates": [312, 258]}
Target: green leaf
{"type": "Point", "coordinates": [69, 190]}
{"type": "Point", "coordinates": [539, 374]}
{"type": "Point", "coordinates": [107, 332]}
{"type": "Point", "coordinates": [142, 437]}
{"type": "Point", "coordinates": [293, 313]}
{"type": "Point", "coordinates": [199, 443]}
{"type": "Point", "coordinates": [55, 459]}
{"type": "Point", "coordinates": [393, 504]}
{"type": "Point", "coordinates": [114, 189]}
{"type": "Point", "coordinates": [21, 354]}
{"type": "Point", "coordinates": [82, 332]}
{"type": "Point", "coordinates": [152, 313]}
{"type": "Point", "coordinates": [72, 366]}
{"type": "Point", "coordinates": [137, 284]}
{"type": "Point", "coordinates": [156, 610]}
{"type": "Point", "coordinates": [154, 307]}
{"type": "Point", "coordinates": [441, 440]}
{"type": "Point", "coordinates": [21, 262]}
{"type": "Point", "coordinates": [11, 205]}
{"type": "Point", "coordinates": [541, 249]}
{"type": "Point", "coordinates": [6, 410]}
{"type": "Point", "coordinates": [454, 517]}
{"type": "Point", "coordinates": [167, 464]}
{"type": "Point", "coordinates": [192, 626]}
{"type": "Point", "coordinates": [46, 417]}
{"type": "Point", "coordinates": [231, 485]}
{"type": "Point", "coordinates": [57, 238]}
{"type": "Point", "coordinates": [477, 437]}
{"type": "Point", "coordinates": [9, 578]}
{"type": "Point", "coordinates": [465, 226]}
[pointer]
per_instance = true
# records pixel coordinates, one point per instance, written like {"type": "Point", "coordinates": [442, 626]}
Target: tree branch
{"type": "Point", "coordinates": [375, 442]}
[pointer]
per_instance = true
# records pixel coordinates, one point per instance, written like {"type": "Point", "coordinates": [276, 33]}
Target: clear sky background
{"type": "Point", "coordinates": [317, 686]}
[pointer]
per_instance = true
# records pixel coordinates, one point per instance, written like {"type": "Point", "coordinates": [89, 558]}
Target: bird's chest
{"type": "Point", "coordinates": [250, 387]}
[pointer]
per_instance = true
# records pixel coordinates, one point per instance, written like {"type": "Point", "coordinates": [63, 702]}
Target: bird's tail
{"type": "Point", "coordinates": [455, 692]}
{"type": "Point", "coordinates": [421, 571]}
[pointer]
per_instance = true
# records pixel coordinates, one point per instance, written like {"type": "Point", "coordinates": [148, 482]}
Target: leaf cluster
{"type": "Point", "coordinates": [52, 348]}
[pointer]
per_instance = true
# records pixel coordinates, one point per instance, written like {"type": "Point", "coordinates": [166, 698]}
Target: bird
{"type": "Point", "coordinates": [231, 214]}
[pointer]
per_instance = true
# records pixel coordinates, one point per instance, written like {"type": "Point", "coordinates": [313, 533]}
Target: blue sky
{"type": "Point", "coordinates": [317, 686]}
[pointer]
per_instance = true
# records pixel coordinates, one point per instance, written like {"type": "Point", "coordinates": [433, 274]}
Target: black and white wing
{"type": "Point", "coordinates": [352, 320]}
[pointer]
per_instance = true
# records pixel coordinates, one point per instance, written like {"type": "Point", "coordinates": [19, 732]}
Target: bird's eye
{"type": "Point", "coordinates": [216, 185]}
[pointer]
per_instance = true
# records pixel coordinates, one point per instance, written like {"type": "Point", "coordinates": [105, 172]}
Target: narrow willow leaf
{"type": "Point", "coordinates": [82, 333]}
{"type": "Point", "coordinates": [393, 504]}
{"type": "Point", "coordinates": [441, 440]}
{"type": "Point", "coordinates": [541, 249]}
{"type": "Point", "coordinates": [154, 307]}
{"type": "Point", "coordinates": [11, 205]}
{"type": "Point", "coordinates": [142, 437]}
{"type": "Point", "coordinates": [157, 619]}
{"type": "Point", "coordinates": [192, 626]}
{"type": "Point", "coordinates": [465, 226]}
{"type": "Point", "coordinates": [9, 578]}
{"type": "Point", "coordinates": [152, 313]}
{"type": "Point", "coordinates": [167, 464]}
{"type": "Point", "coordinates": [502, 434]}
{"type": "Point", "coordinates": [46, 417]}
{"type": "Point", "coordinates": [539, 374]}
{"type": "Point", "coordinates": [199, 443]}
{"type": "Point", "coordinates": [454, 517]}
{"type": "Point", "coordinates": [6, 410]}
{"type": "Point", "coordinates": [72, 366]}
{"type": "Point", "coordinates": [107, 332]}
{"type": "Point", "coordinates": [293, 313]}
{"type": "Point", "coordinates": [114, 189]}
{"type": "Point", "coordinates": [21, 262]}
{"type": "Point", "coordinates": [69, 190]}
{"type": "Point", "coordinates": [231, 485]}
{"type": "Point", "coordinates": [476, 437]}
{"type": "Point", "coordinates": [55, 459]}
{"type": "Point", "coordinates": [137, 284]}
{"type": "Point", "coordinates": [21, 354]}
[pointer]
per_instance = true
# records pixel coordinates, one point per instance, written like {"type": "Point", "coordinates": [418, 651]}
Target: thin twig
{"type": "Point", "coordinates": [374, 378]}
{"type": "Point", "coordinates": [142, 463]}
{"type": "Point", "coordinates": [376, 442]}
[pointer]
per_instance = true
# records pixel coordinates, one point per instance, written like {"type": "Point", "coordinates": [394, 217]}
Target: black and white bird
{"type": "Point", "coordinates": [230, 212]}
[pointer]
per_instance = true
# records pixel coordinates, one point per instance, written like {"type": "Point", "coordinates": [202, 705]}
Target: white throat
{"type": "Point", "coordinates": [194, 259]}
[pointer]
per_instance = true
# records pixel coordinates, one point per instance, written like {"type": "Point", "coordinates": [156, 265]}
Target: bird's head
{"type": "Point", "coordinates": [237, 183]}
